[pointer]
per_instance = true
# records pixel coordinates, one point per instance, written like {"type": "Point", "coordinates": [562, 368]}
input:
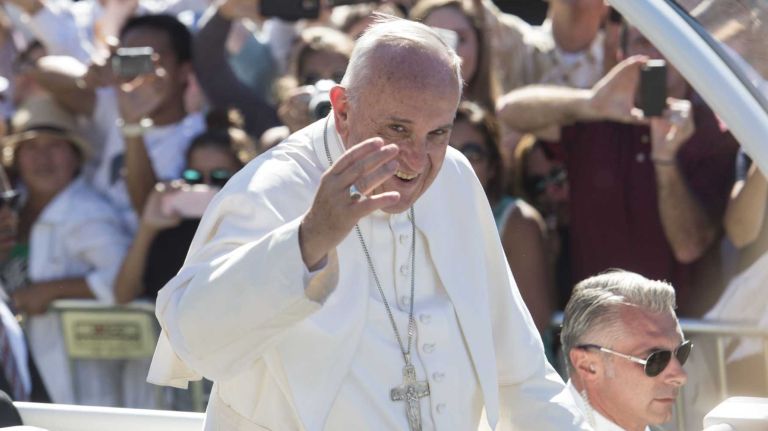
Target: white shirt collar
{"type": "Point", "coordinates": [594, 418]}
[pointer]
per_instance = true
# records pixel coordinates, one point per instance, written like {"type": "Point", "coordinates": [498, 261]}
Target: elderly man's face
{"type": "Point", "coordinates": [622, 391]}
{"type": "Point", "coordinates": [410, 101]}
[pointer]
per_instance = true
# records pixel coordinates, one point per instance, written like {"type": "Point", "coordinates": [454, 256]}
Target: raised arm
{"type": "Point", "coordinates": [244, 287]}
{"type": "Point", "coordinates": [687, 226]}
{"type": "Point", "coordinates": [55, 27]}
{"type": "Point", "coordinates": [63, 77]}
{"type": "Point", "coordinates": [136, 100]}
{"type": "Point", "coordinates": [129, 283]}
{"type": "Point", "coordinates": [538, 107]}
{"type": "Point", "coordinates": [216, 77]}
{"type": "Point", "coordinates": [745, 213]}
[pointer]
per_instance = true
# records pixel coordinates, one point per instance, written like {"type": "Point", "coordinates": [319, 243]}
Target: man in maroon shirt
{"type": "Point", "coordinates": [647, 195]}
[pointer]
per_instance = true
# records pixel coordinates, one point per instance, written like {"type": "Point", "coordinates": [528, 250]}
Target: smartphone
{"type": "Point", "coordinates": [653, 88]}
{"type": "Point", "coordinates": [130, 62]}
{"type": "Point", "coordinates": [290, 10]}
{"type": "Point", "coordinates": [189, 202]}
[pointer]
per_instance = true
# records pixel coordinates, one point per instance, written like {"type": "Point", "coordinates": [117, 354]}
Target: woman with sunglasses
{"type": "Point", "coordinates": [542, 180]}
{"type": "Point", "coordinates": [165, 231]}
{"type": "Point", "coordinates": [520, 225]}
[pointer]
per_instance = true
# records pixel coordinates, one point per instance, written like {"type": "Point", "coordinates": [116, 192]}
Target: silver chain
{"type": "Point", "coordinates": [405, 350]}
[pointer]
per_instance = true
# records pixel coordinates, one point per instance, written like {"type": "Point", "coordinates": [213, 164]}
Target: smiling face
{"type": "Point", "coordinates": [47, 164]}
{"type": "Point", "coordinates": [622, 392]}
{"type": "Point", "coordinates": [410, 100]}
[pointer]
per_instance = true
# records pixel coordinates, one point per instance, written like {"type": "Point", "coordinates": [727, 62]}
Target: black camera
{"type": "Point", "coordinates": [131, 62]}
{"type": "Point", "coordinates": [320, 102]}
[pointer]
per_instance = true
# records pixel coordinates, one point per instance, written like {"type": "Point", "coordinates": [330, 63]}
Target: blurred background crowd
{"type": "Point", "coordinates": [121, 119]}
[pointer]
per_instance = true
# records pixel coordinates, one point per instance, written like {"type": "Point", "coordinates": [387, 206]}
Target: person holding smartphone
{"type": "Point", "coordinates": [174, 208]}
{"type": "Point", "coordinates": [647, 193]}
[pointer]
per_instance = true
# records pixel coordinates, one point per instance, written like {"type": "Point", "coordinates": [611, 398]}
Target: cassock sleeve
{"type": "Point", "coordinates": [531, 395]}
{"type": "Point", "coordinates": [244, 282]}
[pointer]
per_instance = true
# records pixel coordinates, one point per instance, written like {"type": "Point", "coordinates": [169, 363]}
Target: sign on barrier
{"type": "Point", "coordinates": [91, 334]}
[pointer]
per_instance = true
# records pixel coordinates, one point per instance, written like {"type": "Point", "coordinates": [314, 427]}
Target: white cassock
{"type": "Point", "coordinates": [238, 312]}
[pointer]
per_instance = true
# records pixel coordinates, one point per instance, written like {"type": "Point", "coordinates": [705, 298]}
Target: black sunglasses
{"type": "Point", "coordinates": [10, 199]}
{"type": "Point", "coordinates": [656, 362]}
{"type": "Point", "coordinates": [218, 177]}
{"type": "Point", "coordinates": [537, 184]}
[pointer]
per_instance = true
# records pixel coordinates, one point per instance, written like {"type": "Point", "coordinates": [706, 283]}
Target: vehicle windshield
{"type": "Point", "coordinates": [738, 31]}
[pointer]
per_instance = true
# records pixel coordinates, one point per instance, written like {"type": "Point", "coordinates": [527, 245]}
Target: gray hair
{"type": "Point", "coordinates": [596, 302]}
{"type": "Point", "coordinates": [389, 30]}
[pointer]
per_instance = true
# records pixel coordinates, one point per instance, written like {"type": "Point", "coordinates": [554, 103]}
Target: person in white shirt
{"type": "Point", "coordinates": [155, 127]}
{"type": "Point", "coordinates": [625, 351]}
{"type": "Point", "coordinates": [75, 245]}
{"type": "Point", "coordinates": [352, 277]}
{"type": "Point", "coordinates": [570, 48]}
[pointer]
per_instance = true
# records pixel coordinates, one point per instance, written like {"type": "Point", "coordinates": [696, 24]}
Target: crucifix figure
{"type": "Point", "coordinates": [410, 392]}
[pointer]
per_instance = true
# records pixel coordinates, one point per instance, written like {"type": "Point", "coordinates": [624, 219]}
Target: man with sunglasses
{"type": "Point", "coordinates": [624, 350]}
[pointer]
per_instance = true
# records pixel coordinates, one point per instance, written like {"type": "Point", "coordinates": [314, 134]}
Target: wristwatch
{"type": "Point", "coordinates": [134, 130]}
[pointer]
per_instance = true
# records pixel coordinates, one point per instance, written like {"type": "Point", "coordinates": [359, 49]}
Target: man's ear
{"type": "Point", "coordinates": [585, 364]}
{"type": "Point", "coordinates": [340, 103]}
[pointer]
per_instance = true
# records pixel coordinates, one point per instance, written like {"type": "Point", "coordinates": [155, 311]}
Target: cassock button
{"type": "Point", "coordinates": [429, 347]}
{"type": "Point", "coordinates": [645, 139]}
{"type": "Point", "coordinates": [440, 407]}
{"type": "Point", "coordinates": [425, 318]}
{"type": "Point", "coordinates": [403, 239]}
{"type": "Point", "coordinates": [404, 270]}
{"type": "Point", "coordinates": [640, 157]}
{"type": "Point", "coordinates": [438, 376]}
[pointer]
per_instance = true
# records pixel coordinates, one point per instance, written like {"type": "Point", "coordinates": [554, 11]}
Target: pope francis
{"type": "Point", "coordinates": [352, 278]}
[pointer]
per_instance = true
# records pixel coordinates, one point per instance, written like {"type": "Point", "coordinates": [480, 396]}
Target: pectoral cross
{"type": "Point", "coordinates": [410, 392]}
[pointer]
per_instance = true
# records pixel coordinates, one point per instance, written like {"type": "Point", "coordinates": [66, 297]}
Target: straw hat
{"type": "Point", "coordinates": [41, 115]}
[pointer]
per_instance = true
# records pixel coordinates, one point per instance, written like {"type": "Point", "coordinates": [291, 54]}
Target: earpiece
{"type": "Point", "coordinates": [591, 368]}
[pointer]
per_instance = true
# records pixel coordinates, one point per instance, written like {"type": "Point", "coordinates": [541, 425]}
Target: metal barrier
{"type": "Point", "coordinates": [719, 333]}
{"type": "Point", "coordinates": [97, 331]}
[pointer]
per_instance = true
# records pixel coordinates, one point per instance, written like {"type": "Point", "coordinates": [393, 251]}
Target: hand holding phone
{"type": "Point", "coordinates": [189, 201]}
{"type": "Point", "coordinates": [132, 62]}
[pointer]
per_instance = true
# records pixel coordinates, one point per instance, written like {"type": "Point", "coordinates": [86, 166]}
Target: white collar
{"type": "Point", "coordinates": [593, 417]}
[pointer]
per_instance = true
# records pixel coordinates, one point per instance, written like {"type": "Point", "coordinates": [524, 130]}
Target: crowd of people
{"type": "Point", "coordinates": [112, 152]}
